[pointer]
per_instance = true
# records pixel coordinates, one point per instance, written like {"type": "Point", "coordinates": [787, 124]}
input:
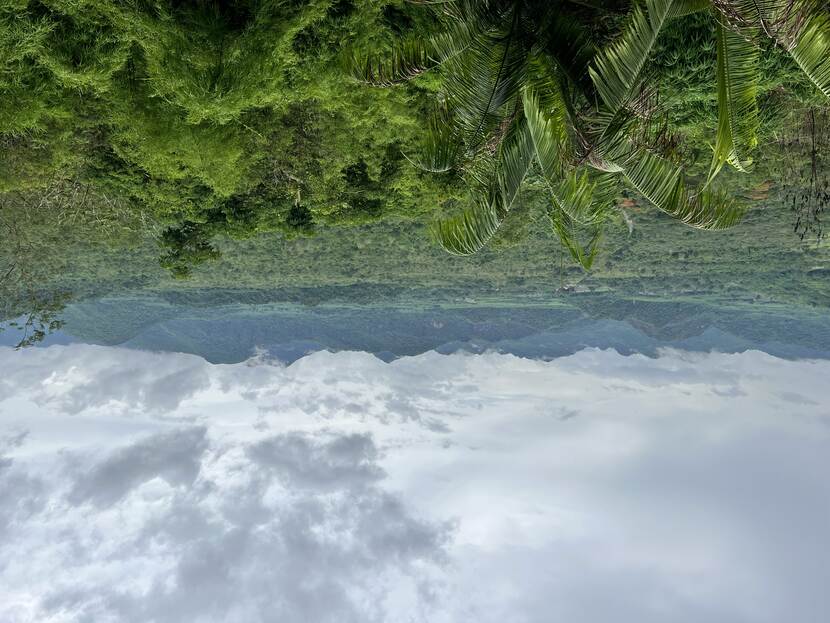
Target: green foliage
{"type": "Point", "coordinates": [617, 69]}
{"type": "Point", "coordinates": [185, 247]}
{"type": "Point", "coordinates": [809, 44]}
{"type": "Point", "coordinates": [234, 119]}
{"type": "Point", "coordinates": [761, 261]}
{"type": "Point", "coordinates": [522, 67]}
{"type": "Point", "coordinates": [800, 27]}
{"type": "Point", "coordinates": [201, 112]}
{"type": "Point", "coordinates": [42, 316]}
{"type": "Point", "coordinates": [738, 120]}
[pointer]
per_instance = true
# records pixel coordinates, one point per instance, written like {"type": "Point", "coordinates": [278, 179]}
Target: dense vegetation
{"type": "Point", "coordinates": [130, 130]}
{"type": "Point", "coordinates": [531, 85]}
{"type": "Point", "coordinates": [207, 117]}
{"type": "Point", "coordinates": [761, 261]}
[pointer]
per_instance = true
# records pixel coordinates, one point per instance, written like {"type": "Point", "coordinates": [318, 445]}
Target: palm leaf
{"type": "Point", "coordinates": [408, 60]}
{"type": "Point", "coordinates": [663, 184]}
{"type": "Point", "coordinates": [584, 198]}
{"type": "Point", "coordinates": [802, 27]}
{"type": "Point", "coordinates": [548, 133]}
{"type": "Point", "coordinates": [468, 232]}
{"type": "Point", "coordinates": [656, 179]}
{"type": "Point", "coordinates": [479, 83]}
{"type": "Point", "coordinates": [568, 233]}
{"type": "Point", "coordinates": [617, 69]}
{"type": "Point", "coordinates": [556, 97]}
{"type": "Point", "coordinates": [738, 120]}
{"type": "Point", "coordinates": [566, 41]}
{"type": "Point", "coordinates": [587, 198]}
{"type": "Point", "coordinates": [762, 14]}
{"type": "Point", "coordinates": [412, 57]}
{"type": "Point", "coordinates": [711, 209]}
{"type": "Point", "coordinates": [441, 145]}
{"type": "Point", "coordinates": [485, 13]}
{"type": "Point", "coordinates": [609, 141]}
{"type": "Point", "coordinates": [810, 48]}
{"type": "Point", "coordinates": [687, 7]}
{"type": "Point", "coordinates": [515, 157]}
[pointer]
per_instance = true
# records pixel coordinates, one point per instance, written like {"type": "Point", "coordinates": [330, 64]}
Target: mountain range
{"type": "Point", "coordinates": [284, 331]}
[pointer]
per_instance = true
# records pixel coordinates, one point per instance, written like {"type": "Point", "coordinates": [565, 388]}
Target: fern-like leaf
{"type": "Point", "coordinates": [663, 184]}
{"type": "Point", "coordinates": [801, 27]}
{"type": "Point", "coordinates": [468, 232]}
{"type": "Point", "coordinates": [412, 57]}
{"type": "Point", "coordinates": [617, 69]}
{"type": "Point", "coordinates": [738, 121]}
{"type": "Point", "coordinates": [810, 47]}
{"type": "Point", "coordinates": [568, 232]}
{"type": "Point", "coordinates": [586, 197]}
{"type": "Point", "coordinates": [548, 133]}
{"type": "Point", "coordinates": [441, 145]}
{"type": "Point", "coordinates": [482, 81]}
{"type": "Point", "coordinates": [687, 7]}
{"type": "Point", "coordinates": [406, 61]}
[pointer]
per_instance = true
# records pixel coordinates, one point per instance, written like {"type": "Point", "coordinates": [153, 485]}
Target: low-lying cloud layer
{"type": "Point", "coordinates": [143, 487]}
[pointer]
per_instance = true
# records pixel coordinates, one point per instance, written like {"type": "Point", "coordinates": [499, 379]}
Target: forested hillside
{"type": "Point", "coordinates": [208, 116]}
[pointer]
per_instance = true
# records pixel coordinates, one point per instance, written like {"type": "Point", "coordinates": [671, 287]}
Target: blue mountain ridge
{"type": "Point", "coordinates": [286, 332]}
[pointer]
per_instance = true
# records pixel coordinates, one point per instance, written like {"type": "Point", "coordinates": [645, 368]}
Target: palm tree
{"type": "Point", "coordinates": [525, 86]}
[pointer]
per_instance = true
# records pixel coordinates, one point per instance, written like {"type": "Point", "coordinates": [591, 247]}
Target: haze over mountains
{"type": "Point", "coordinates": [233, 333]}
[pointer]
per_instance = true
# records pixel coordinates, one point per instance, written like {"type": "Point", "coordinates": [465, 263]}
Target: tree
{"type": "Point", "coordinates": [186, 246]}
{"type": "Point", "coordinates": [189, 111]}
{"type": "Point", "coordinates": [27, 304]}
{"type": "Point", "coordinates": [525, 84]}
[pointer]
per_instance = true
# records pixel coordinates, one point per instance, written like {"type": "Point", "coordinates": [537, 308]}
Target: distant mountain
{"type": "Point", "coordinates": [232, 333]}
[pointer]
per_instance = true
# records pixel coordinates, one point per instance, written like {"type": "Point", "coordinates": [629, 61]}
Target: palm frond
{"type": "Point", "coordinates": [587, 198]}
{"type": "Point", "coordinates": [738, 120]}
{"type": "Point", "coordinates": [412, 57]}
{"type": "Point", "coordinates": [617, 68]}
{"type": "Point", "coordinates": [762, 14]}
{"type": "Point", "coordinates": [711, 210]}
{"type": "Point", "coordinates": [479, 83]}
{"type": "Point", "coordinates": [687, 7]}
{"type": "Point", "coordinates": [515, 156]}
{"type": "Point", "coordinates": [548, 133]}
{"type": "Point", "coordinates": [468, 232]}
{"type": "Point", "coordinates": [555, 94]}
{"type": "Point", "coordinates": [663, 184]}
{"type": "Point", "coordinates": [656, 179]}
{"type": "Point", "coordinates": [441, 144]}
{"type": "Point", "coordinates": [568, 233]}
{"type": "Point", "coordinates": [608, 138]}
{"type": "Point", "coordinates": [408, 60]}
{"type": "Point", "coordinates": [568, 42]}
{"type": "Point", "coordinates": [801, 27]}
{"type": "Point", "coordinates": [485, 13]}
{"type": "Point", "coordinates": [810, 47]}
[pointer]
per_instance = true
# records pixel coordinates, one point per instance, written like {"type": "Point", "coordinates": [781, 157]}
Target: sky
{"type": "Point", "coordinates": [156, 487]}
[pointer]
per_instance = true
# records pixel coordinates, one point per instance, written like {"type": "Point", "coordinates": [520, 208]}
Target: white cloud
{"type": "Point", "coordinates": [157, 487]}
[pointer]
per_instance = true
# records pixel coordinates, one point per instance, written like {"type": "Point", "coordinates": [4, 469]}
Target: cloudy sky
{"type": "Point", "coordinates": [141, 487]}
